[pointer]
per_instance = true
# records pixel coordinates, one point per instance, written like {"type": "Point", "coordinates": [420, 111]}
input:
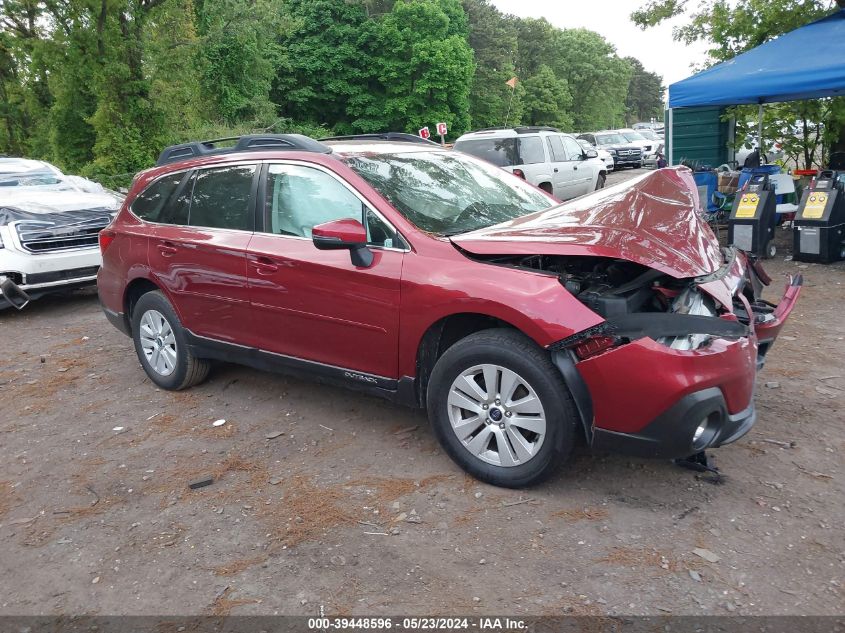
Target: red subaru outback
{"type": "Point", "coordinates": [436, 280]}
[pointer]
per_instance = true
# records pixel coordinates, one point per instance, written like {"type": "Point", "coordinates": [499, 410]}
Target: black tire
{"type": "Point", "coordinates": [771, 250]}
{"type": "Point", "coordinates": [601, 181]}
{"type": "Point", "coordinates": [547, 187]}
{"type": "Point", "coordinates": [189, 370]}
{"type": "Point", "coordinates": [516, 352]}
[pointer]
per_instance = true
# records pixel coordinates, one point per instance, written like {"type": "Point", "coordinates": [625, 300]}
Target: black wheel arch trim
{"type": "Point", "coordinates": [579, 390]}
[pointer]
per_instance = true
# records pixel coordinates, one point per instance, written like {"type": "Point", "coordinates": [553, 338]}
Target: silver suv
{"type": "Point", "coordinates": [543, 156]}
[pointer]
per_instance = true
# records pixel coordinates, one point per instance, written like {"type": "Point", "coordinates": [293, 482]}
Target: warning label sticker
{"type": "Point", "coordinates": [747, 206]}
{"type": "Point", "coordinates": [816, 204]}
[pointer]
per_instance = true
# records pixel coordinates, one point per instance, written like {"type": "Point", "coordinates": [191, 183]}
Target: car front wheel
{"type": "Point", "coordinates": [161, 345]}
{"type": "Point", "coordinates": [500, 408]}
{"type": "Point", "coordinates": [601, 181]}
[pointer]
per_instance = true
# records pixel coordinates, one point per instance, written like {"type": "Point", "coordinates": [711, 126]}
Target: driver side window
{"type": "Point", "coordinates": [299, 198]}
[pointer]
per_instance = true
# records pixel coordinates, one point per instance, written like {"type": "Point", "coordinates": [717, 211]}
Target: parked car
{"type": "Point", "coordinates": [651, 160]}
{"type": "Point", "coordinates": [603, 155]}
{"type": "Point", "coordinates": [48, 230]}
{"type": "Point", "coordinates": [435, 279]}
{"type": "Point", "coordinates": [543, 156]}
{"type": "Point", "coordinates": [624, 153]}
{"type": "Point", "coordinates": [772, 155]}
{"type": "Point", "coordinates": [648, 147]}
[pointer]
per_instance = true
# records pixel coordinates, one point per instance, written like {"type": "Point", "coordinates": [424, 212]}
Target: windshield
{"type": "Point", "coordinates": [633, 136]}
{"type": "Point", "coordinates": [610, 139]}
{"type": "Point", "coordinates": [651, 136]}
{"type": "Point", "coordinates": [33, 178]}
{"type": "Point", "coordinates": [448, 193]}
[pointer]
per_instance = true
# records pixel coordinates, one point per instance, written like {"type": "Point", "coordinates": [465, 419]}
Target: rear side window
{"type": "Point", "coordinates": [531, 150]}
{"type": "Point", "coordinates": [221, 198]}
{"type": "Point", "coordinates": [150, 202]}
{"type": "Point", "coordinates": [502, 152]}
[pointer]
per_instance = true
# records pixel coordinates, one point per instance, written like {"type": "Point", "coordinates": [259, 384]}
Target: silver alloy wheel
{"type": "Point", "coordinates": [158, 342]}
{"type": "Point", "coordinates": [497, 415]}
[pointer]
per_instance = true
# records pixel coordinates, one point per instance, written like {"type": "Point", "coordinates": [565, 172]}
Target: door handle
{"type": "Point", "coordinates": [556, 169]}
{"type": "Point", "coordinates": [265, 266]}
{"type": "Point", "coordinates": [167, 249]}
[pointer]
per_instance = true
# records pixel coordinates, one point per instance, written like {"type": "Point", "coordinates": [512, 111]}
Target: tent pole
{"type": "Point", "coordinates": [668, 132]}
{"type": "Point", "coordinates": [760, 129]}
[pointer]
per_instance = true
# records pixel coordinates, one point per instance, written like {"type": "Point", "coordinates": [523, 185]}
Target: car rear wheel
{"type": "Point", "coordinates": [500, 408]}
{"type": "Point", "coordinates": [161, 345]}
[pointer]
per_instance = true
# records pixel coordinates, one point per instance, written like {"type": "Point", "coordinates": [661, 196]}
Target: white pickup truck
{"type": "Point", "coordinates": [49, 226]}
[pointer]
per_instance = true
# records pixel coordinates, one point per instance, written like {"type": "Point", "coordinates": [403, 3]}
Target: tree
{"type": "Point", "coordinates": [645, 93]}
{"type": "Point", "coordinates": [546, 100]}
{"type": "Point", "coordinates": [327, 72]}
{"type": "Point", "coordinates": [731, 28]}
{"type": "Point", "coordinates": [426, 66]}
{"type": "Point", "coordinates": [493, 39]}
{"type": "Point", "coordinates": [597, 78]}
{"type": "Point", "coordinates": [239, 57]}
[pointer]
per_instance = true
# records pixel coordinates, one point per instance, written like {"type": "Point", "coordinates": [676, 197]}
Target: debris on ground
{"type": "Point", "coordinates": [706, 554]}
{"type": "Point", "coordinates": [201, 483]}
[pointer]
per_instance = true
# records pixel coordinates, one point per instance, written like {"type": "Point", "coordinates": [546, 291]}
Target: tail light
{"type": "Point", "coordinates": [519, 173]}
{"type": "Point", "coordinates": [106, 237]}
{"type": "Point", "coordinates": [594, 346]}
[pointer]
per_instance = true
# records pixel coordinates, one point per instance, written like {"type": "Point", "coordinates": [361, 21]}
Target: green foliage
{"type": "Point", "coordinates": [493, 39]}
{"type": "Point", "coordinates": [597, 78]}
{"type": "Point", "coordinates": [547, 100]}
{"type": "Point", "coordinates": [425, 68]}
{"type": "Point", "coordinates": [100, 86]}
{"type": "Point", "coordinates": [238, 56]}
{"type": "Point", "coordinates": [645, 94]}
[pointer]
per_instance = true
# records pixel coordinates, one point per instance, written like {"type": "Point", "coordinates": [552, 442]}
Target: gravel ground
{"type": "Point", "coordinates": [323, 498]}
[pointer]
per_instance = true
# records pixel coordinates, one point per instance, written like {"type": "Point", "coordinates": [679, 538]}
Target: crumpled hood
{"type": "Point", "coordinates": [652, 220]}
{"type": "Point", "coordinates": [56, 201]}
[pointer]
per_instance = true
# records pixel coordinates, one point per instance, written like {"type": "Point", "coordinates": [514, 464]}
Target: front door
{"type": "Point", "coordinates": [198, 252]}
{"type": "Point", "coordinates": [563, 174]}
{"type": "Point", "coordinates": [313, 304]}
{"type": "Point", "coordinates": [582, 171]}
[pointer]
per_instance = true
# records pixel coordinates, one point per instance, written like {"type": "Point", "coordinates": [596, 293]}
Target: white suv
{"type": "Point", "coordinates": [49, 226]}
{"type": "Point", "coordinates": [543, 156]}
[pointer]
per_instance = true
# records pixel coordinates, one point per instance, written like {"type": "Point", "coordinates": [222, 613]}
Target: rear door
{"type": "Point", "coordinates": [199, 251]}
{"type": "Point", "coordinates": [316, 305]}
{"type": "Point", "coordinates": [562, 169]}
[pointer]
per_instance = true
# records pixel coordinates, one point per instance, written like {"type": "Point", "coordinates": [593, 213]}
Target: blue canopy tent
{"type": "Point", "coordinates": [807, 63]}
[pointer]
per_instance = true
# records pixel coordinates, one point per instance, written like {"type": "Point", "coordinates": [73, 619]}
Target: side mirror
{"type": "Point", "coordinates": [591, 153]}
{"type": "Point", "coordinates": [346, 234]}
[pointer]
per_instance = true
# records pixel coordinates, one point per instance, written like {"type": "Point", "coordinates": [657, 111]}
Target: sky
{"type": "Point", "coordinates": [655, 48]}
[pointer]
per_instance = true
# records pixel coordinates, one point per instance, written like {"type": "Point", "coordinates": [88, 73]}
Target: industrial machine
{"type": "Point", "coordinates": [751, 225]}
{"type": "Point", "coordinates": [819, 234]}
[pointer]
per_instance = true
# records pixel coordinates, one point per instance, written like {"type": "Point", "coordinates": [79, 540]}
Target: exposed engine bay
{"type": "Point", "coordinates": [636, 300]}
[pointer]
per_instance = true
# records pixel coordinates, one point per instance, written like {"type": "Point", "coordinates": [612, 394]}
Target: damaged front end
{"type": "Point", "coordinates": [670, 369]}
{"type": "Point", "coordinates": [638, 302]}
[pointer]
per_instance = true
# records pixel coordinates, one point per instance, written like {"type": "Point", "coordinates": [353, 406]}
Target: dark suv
{"type": "Point", "coordinates": [625, 153]}
{"type": "Point", "coordinates": [438, 280]}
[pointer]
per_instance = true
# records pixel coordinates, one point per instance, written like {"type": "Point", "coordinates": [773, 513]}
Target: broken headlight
{"type": "Point", "coordinates": [690, 301]}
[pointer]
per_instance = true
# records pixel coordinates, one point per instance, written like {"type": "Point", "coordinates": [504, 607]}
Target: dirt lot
{"type": "Point", "coordinates": [323, 497]}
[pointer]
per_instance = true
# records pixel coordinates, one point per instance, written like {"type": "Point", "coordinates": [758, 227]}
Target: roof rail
{"type": "Point", "coordinates": [402, 137]}
{"type": "Point", "coordinates": [520, 129]}
{"type": "Point", "coordinates": [247, 143]}
{"type": "Point", "coordinates": [523, 129]}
